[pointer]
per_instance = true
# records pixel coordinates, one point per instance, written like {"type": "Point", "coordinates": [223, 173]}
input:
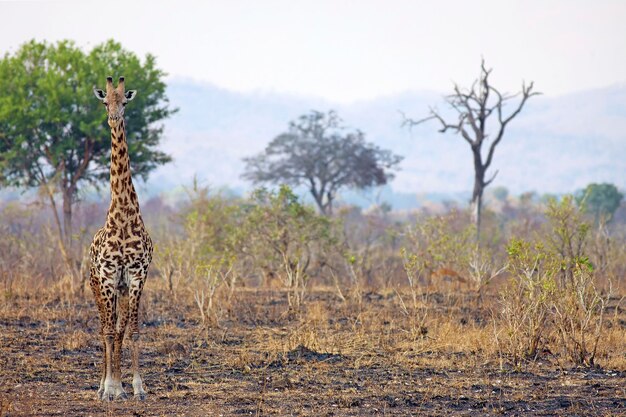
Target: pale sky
{"type": "Point", "coordinates": [347, 50]}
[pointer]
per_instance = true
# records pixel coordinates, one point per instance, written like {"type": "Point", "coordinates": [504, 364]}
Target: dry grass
{"type": "Point", "coordinates": [367, 357]}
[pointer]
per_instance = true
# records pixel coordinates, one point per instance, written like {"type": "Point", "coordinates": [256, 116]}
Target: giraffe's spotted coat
{"type": "Point", "coordinates": [120, 255]}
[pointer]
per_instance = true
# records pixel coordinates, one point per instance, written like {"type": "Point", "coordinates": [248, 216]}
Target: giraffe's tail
{"type": "Point", "coordinates": [122, 305]}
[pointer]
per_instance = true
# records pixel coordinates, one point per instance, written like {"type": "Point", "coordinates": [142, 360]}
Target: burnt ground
{"type": "Point", "coordinates": [261, 361]}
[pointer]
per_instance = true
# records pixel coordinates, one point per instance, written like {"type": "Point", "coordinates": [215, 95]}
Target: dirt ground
{"type": "Point", "coordinates": [336, 360]}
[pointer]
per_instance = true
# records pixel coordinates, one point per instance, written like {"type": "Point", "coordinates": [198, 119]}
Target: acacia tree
{"type": "Point", "coordinates": [481, 120]}
{"type": "Point", "coordinates": [53, 134]}
{"type": "Point", "coordinates": [318, 153]}
{"type": "Point", "coordinates": [601, 201]}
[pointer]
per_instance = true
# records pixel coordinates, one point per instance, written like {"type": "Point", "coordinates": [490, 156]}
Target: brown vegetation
{"type": "Point", "coordinates": [262, 307]}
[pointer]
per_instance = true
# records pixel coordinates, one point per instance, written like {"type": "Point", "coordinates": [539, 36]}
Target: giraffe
{"type": "Point", "coordinates": [120, 255]}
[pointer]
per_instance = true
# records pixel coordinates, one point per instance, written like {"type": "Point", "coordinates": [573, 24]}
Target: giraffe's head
{"type": "Point", "coordinates": [114, 100]}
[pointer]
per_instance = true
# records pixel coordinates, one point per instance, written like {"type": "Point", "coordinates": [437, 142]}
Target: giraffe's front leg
{"type": "Point", "coordinates": [113, 389]}
{"type": "Point", "coordinates": [95, 288]}
{"type": "Point", "coordinates": [122, 320]}
{"type": "Point", "coordinates": [139, 392]}
{"type": "Point", "coordinates": [103, 373]}
{"type": "Point", "coordinates": [112, 382]}
{"type": "Point", "coordinates": [136, 286]}
{"type": "Point", "coordinates": [108, 394]}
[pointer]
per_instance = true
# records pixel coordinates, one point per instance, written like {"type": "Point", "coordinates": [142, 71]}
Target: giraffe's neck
{"type": "Point", "coordinates": [123, 195]}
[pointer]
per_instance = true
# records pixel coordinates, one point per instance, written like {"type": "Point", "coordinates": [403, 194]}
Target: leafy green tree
{"type": "Point", "coordinates": [600, 200]}
{"type": "Point", "coordinates": [501, 193]}
{"type": "Point", "coordinates": [317, 153]}
{"type": "Point", "coordinates": [53, 134]}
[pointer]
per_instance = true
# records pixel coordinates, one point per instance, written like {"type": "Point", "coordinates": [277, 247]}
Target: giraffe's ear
{"type": "Point", "coordinates": [130, 94]}
{"type": "Point", "coordinates": [99, 94]}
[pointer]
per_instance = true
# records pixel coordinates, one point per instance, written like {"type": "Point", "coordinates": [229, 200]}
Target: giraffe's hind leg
{"type": "Point", "coordinates": [136, 287]}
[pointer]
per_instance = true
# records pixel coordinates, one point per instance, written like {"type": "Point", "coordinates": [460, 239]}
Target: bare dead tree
{"type": "Point", "coordinates": [474, 107]}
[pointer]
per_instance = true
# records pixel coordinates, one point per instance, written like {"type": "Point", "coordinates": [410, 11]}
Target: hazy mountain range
{"type": "Point", "coordinates": [557, 144]}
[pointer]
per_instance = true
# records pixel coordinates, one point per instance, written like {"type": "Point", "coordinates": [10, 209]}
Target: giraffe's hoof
{"type": "Point", "coordinates": [113, 394]}
{"type": "Point", "coordinates": [140, 396]}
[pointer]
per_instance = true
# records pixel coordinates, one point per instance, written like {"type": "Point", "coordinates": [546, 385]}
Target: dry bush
{"type": "Point", "coordinates": [28, 252]}
{"type": "Point", "coordinates": [447, 250]}
{"type": "Point", "coordinates": [607, 251]}
{"type": "Point", "coordinates": [282, 237]}
{"type": "Point", "coordinates": [370, 242]}
{"type": "Point", "coordinates": [566, 236]}
{"type": "Point", "coordinates": [553, 289]}
{"type": "Point", "coordinates": [579, 310]}
{"type": "Point", "coordinates": [216, 277]}
{"type": "Point", "coordinates": [219, 240]}
{"type": "Point", "coordinates": [195, 255]}
{"type": "Point", "coordinates": [578, 304]}
{"type": "Point", "coordinates": [416, 311]}
{"type": "Point", "coordinates": [483, 268]}
{"type": "Point", "coordinates": [442, 242]}
{"type": "Point", "coordinates": [525, 302]}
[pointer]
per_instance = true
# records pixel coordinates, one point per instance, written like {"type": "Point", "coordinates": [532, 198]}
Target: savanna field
{"type": "Point", "coordinates": [312, 208]}
{"type": "Point", "coordinates": [261, 306]}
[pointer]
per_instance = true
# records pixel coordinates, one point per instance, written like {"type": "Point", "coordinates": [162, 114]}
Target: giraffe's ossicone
{"type": "Point", "coordinates": [120, 254]}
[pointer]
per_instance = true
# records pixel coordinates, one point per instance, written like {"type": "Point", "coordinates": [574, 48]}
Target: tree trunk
{"type": "Point", "coordinates": [67, 220]}
{"type": "Point", "coordinates": [325, 207]}
{"type": "Point", "coordinates": [476, 208]}
{"type": "Point", "coordinates": [329, 204]}
{"type": "Point", "coordinates": [319, 200]}
{"type": "Point", "coordinates": [66, 239]}
{"type": "Point", "coordinates": [65, 254]}
{"type": "Point", "coordinates": [479, 187]}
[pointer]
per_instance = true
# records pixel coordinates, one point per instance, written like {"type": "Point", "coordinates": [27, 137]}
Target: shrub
{"type": "Point", "coordinates": [446, 248]}
{"type": "Point", "coordinates": [525, 302]}
{"type": "Point", "coordinates": [554, 288]}
{"type": "Point", "coordinates": [579, 314]}
{"type": "Point", "coordinates": [369, 248]}
{"type": "Point", "coordinates": [284, 238]}
{"type": "Point", "coordinates": [199, 251]}
{"type": "Point", "coordinates": [443, 243]}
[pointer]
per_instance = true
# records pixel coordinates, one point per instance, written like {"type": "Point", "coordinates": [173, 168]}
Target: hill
{"type": "Point", "coordinates": [557, 144]}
